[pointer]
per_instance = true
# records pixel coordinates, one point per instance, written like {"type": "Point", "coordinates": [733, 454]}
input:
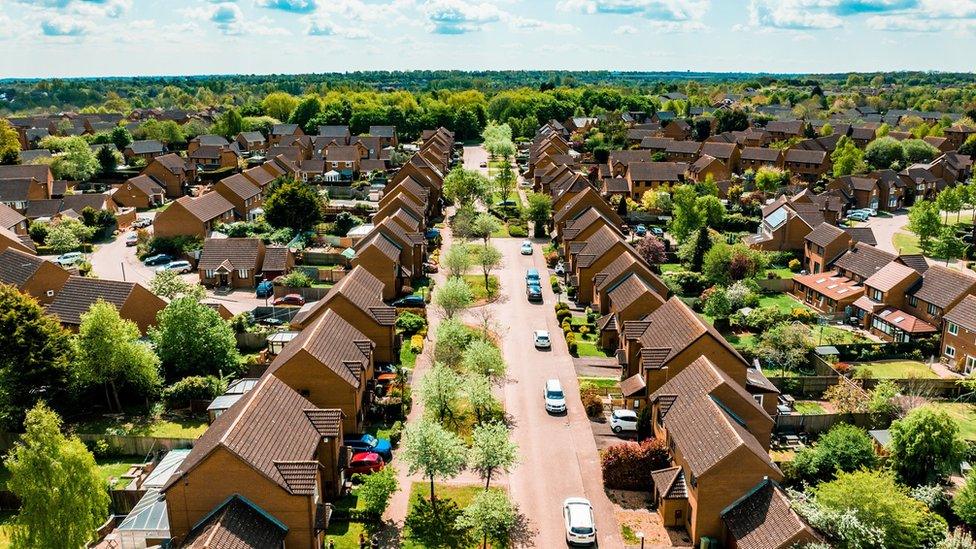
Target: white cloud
{"type": "Point", "coordinates": [526, 24]}
{"type": "Point", "coordinates": [459, 16]}
{"type": "Point", "coordinates": [662, 15]}
{"type": "Point", "coordinates": [625, 29]}
{"type": "Point", "coordinates": [59, 25]}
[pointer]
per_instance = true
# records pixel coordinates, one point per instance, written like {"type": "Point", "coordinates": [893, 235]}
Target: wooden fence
{"type": "Point", "coordinates": [252, 341]}
{"type": "Point", "coordinates": [122, 501]}
{"type": "Point", "coordinates": [310, 294]}
{"type": "Point", "coordinates": [813, 425]}
{"type": "Point", "coordinates": [139, 446]}
{"type": "Point", "coordinates": [776, 285]}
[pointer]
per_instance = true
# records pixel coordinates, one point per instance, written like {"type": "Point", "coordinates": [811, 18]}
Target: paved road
{"type": "Point", "coordinates": [885, 228]}
{"type": "Point", "coordinates": [474, 155]}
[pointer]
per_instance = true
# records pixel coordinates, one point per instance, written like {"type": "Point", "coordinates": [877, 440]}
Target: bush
{"type": "Point", "coordinates": [561, 306]}
{"type": "Point", "coordinates": [572, 346]}
{"type": "Point", "coordinates": [551, 259]}
{"type": "Point", "coordinates": [563, 315]}
{"type": "Point", "coordinates": [396, 433]}
{"type": "Point", "coordinates": [583, 330]}
{"type": "Point", "coordinates": [179, 394]}
{"type": "Point", "coordinates": [627, 466]}
{"type": "Point", "coordinates": [685, 282]}
{"type": "Point", "coordinates": [518, 230]}
{"type": "Point", "coordinates": [592, 402]}
{"type": "Point", "coordinates": [805, 316]}
{"type": "Point", "coordinates": [297, 279]}
{"type": "Point", "coordinates": [416, 344]}
{"type": "Point", "coordinates": [794, 265]}
{"type": "Point", "coordinates": [376, 491]}
{"type": "Point", "coordinates": [410, 323]}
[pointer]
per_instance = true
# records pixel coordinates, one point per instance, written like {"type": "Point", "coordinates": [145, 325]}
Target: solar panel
{"type": "Point", "coordinates": [776, 218]}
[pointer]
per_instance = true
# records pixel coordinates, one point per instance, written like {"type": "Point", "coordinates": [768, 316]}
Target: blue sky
{"type": "Point", "coordinates": [41, 38]}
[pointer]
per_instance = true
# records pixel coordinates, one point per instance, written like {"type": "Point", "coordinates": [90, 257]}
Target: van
{"type": "Point", "coordinates": [532, 277]}
{"type": "Point", "coordinates": [554, 397]}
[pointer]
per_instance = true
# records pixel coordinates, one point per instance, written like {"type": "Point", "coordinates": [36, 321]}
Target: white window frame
{"type": "Point", "coordinates": [953, 329]}
{"type": "Point", "coordinates": [242, 273]}
{"type": "Point", "coordinates": [950, 351]}
{"type": "Point", "coordinates": [970, 364]}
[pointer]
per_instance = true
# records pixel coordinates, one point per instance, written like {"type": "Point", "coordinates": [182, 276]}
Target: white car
{"type": "Point", "coordinates": [181, 267]}
{"type": "Point", "coordinates": [527, 248]}
{"type": "Point", "coordinates": [560, 268]}
{"type": "Point", "coordinates": [541, 339]}
{"type": "Point", "coordinates": [580, 524]}
{"type": "Point", "coordinates": [623, 420]}
{"type": "Point", "coordinates": [554, 397]}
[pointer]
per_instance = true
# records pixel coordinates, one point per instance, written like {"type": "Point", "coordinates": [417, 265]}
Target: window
{"type": "Point", "coordinates": [933, 310]}
{"type": "Point", "coordinates": [210, 273]}
{"type": "Point", "coordinates": [877, 295]}
{"type": "Point", "coordinates": [759, 399]}
{"type": "Point", "coordinates": [950, 351]}
{"type": "Point", "coordinates": [970, 364]}
{"type": "Point", "coordinates": [953, 329]}
{"type": "Point", "coordinates": [913, 301]}
{"type": "Point", "coordinates": [816, 268]}
{"type": "Point", "coordinates": [242, 273]}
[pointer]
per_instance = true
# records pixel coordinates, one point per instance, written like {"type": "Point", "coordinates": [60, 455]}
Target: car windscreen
{"type": "Point", "coordinates": [554, 394]}
{"type": "Point", "coordinates": [581, 530]}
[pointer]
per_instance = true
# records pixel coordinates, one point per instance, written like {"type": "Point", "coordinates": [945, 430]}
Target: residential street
{"type": "Point", "coordinates": [885, 228]}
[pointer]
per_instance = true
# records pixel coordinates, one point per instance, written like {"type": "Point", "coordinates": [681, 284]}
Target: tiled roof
{"type": "Point", "coordinates": [943, 286]}
{"type": "Point", "coordinates": [805, 156]}
{"type": "Point", "coordinates": [236, 524]}
{"type": "Point", "coordinates": [671, 329]}
{"type": "Point", "coordinates": [146, 146]}
{"type": "Point", "coordinates": [240, 253]}
{"type": "Point", "coordinates": [890, 276]}
{"type": "Point", "coordinates": [633, 384]}
{"type": "Point", "coordinates": [963, 314]}
{"type": "Point", "coordinates": [146, 184]}
{"type": "Point", "coordinates": [10, 217]}
{"type": "Point", "coordinates": [80, 293]}
{"type": "Point", "coordinates": [862, 234]}
{"type": "Point", "coordinates": [327, 421]}
{"type": "Point", "coordinates": [628, 291]}
{"type": "Point", "coordinates": [362, 289]}
{"type": "Point", "coordinates": [864, 260]}
{"type": "Point", "coordinates": [275, 258]}
{"type": "Point", "coordinates": [259, 175]}
{"type": "Point", "coordinates": [17, 267]}
{"type": "Point", "coordinates": [284, 129]}
{"type": "Point", "coordinates": [683, 147]}
{"type": "Point", "coordinates": [332, 342]}
{"type": "Point", "coordinates": [599, 243]}
{"type": "Point", "coordinates": [209, 206]}
{"type": "Point", "coordinates": [722, 151]}
{"type": "Point", "coordinates": [760, 154]}
{"type": "Point", "coordinates": [240, 185]}
{"type": "Point", "coordinates": [298, 475]}
{"type": "Point", "coordinates": [904, 321]}
{"type": "Point", "coordinates": [670, 483]}
{"type": "Point", "coordinates": [172, 162]}
{"type": "Point", "coordinates": [824, 234]}
{"type": "Point", "coordinates": [15, 190]}
{"type": "Point", "coordinates": [578, 224]}
{"type": "Point", "coordinates": [764, 519]}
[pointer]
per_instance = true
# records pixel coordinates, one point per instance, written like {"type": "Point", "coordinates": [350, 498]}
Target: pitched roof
{"type": "Point", "coordinates": [670, 483]}
{"type": "Point", "coordinates": [240, 185]}
{"type": "Point", "coordinates": [268, 425]}
{"type": "Point", "coordinates": [172, 162]}
{"type": "Point", "coordinates": [10, 217]}
{"type": "Point", "coordinates": [334, 343]}
{"type": "Point", "coordinates": [889, 276]}
{"type": "Point", "coordinates": [824, 234]}
{"type": "Point", "coordinates": [363, 290]}
{"type": "Point", "coordinates": [672, 328]}
{"type": "Point", "coordinates": [599, 243]}
{"type": "Point", "coordinates": [15, 190]}
{"type": "Point", "coordinates": [629, 290]}
{"type": "Point", "coordinates": [722, 151]}
{"type": "Point", "coordinates": [805, 156]}
{"type": "Point", "coordinates": [252, 137]}
{"type": "Point", "coordinates": [147, 184]}
{"type": "Point", "coordinates": [284, 129]}
{"type": "Point", "coordinates": [237, 523]}
{"type": "Point", "coordinates": [864, 260]}
{"type": "Point", "coordinates": [963, 314]}
{"type": "Point", "coordinates": [760, 154]}
{"type": "Point", "coordinates": [17, 267]}
{"type": "Point", "coordinates": [657, 171]}
{"type": "Point", "coordinates": [862, 234]}
{"type": "Point", "coordinates": [80, 293]}
{"type": "Point", "coordinates": [942, 286]}
{"type": "Point", "coordinates": [233, 253]}
{"type": "Point", "coordinates": [146, 146]}
{"type": "Point", "coordinates": [209, 206]}
{"type": "Point", "coordinates": [275, 258]}
{"type": "Point", "coordinates": [764, 519]}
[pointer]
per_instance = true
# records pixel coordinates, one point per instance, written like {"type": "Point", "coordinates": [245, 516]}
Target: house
{"type": "Point", "coordinates": [824, 244]}
{"type": "Point", "coordinates": [785, 226]}
{"type": "Point", "coordinates": [237, 520]}
{"type": "Point", "coordinates": [245, 196]}
{"type": "Point", "coordinates": [402, 202]}
{"type": "Point", "coordinates": [146, 149]}
{"type": "Point", "coordinates": [387, 135]}
{"type": "Point", "coordinates": [20, 183]}
{"type": "Point", "coordinates": [380, 255]}
{"type": "Point", "coordinates": [251, 142]}
{"type": "Point", "coordinates": [273, 448]}
{"type": "Point", "coordinates": [133, 301]}
{"type": "Point", "coordinates": [36, 277]}
{"type": "Point", "coordinates": [678, 129]}
{"type": "Point", "coordinates": [828, 291]}
{"type": "Point", "coordinates": [331, 363]}
{"type": "Point", "coordinates": [808, 165]}
{"type": "Point", "coordinates": [708, 476]}
{"type": "Point", "coordinates": [880, 309]}
{"type": "Point", "coordinates": [343, 159]}
{"type": "Point", "coordinates": [880, 190]}
{"type": "Point", "coordinates": [620, 269]}
{"type": "Point", "coordinates": [340, 134]}
{"type": "Point", "coordinates": [618, 161]}
{"type": "Point", "coordinates": [682, 151]}
{"type": "Point", "coordinates": [764, 518]}
{"type": "Point", "coordinates": [193, 216]}
{"type": "Point", "coordinates": [412, 243]}
{"type": "Point", "coordinates": [12, 240]}
{"type": "Point", "coordinates": [141, 191]}
{"type": "Point", "coordinates": [600, 249]}
{"type": "Point", "coordinates": [417, 196]}
{"type": "Point", "coordinates": [12, 220]}
{"type": "Point", "coordinates": [708, 167]}
{"type": "Point", "coordinates": [651, 176]}
{"type": "Point", "coordinates": [231, 262]}
{"type": "Point", "coordinates": [358, 299]}
{"type": "Point", "coordinates": [941, 289]}
{"type": "Point", "coordinates": [579, 229]}
{"type": "Point", "coordinates": [284, 132]}
{"type": "Point", "coordinates": [781, 130]}
{"type": "Point", "coordinates": [753, 158]}
{"type": "Point", "coordinates": [728, 153]}
{"type": "Point", "coordinates": [959, 336]}
{"type": "Point", "coordinates": [629, 299]}
{"type": "Point", "coordinates": [958, 134]}
{"type": "Point", "coordinates": [278, 261]}
{"type": "Point", "coordinates": [577, 205]}
{"type": "Point", "coordinates": [213, 157]}
{"type": "Point", "coordinates": [173, 172]}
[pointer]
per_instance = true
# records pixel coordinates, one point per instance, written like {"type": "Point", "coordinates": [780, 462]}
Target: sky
{"type": "Point", "coordinates": [65, 38]}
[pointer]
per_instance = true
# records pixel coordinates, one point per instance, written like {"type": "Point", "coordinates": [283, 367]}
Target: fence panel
{"type": "Point", "coordinates": [124, 500]}
{"type": "Point", "coordinates": [814, 425]}
{"type": "Point", "coordinates": [139, 446]}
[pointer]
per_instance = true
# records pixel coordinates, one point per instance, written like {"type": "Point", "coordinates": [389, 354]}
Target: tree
{"type": "Point", "coordinates": [846, 397]}
{"type": "Point", "coordinates": [686, 217]}
{"type": "Point", "coordinates": [949, 200]}
{"type": "Point", "coordinates": [826, 130]}
{"type": "Point", "coordinates": [924, 221]}
{"type": "Point", "coordinates": [539, 212]}
{"type": "Point", "coordinates": [107, 162]}
{"type": "Point", "coordinates": [9, 143]}
{"type": "Point", "coordinates": [916, 150]}
{"type": "Point", "coordinates": [505, 182]}
{"type": "Point", "coordinates": [76, 162]}
{"type": "Point", "coordinates": [229, 124]}
{"type": "Point", "coordinates": [466, 124]}
{"type": "Point", "coordinates": [718, 305]}
{"type": "Point", "coordinates": [483, 225]}
{"type": "Point", "coordinates": [883, 152]}
{"type": "Point", "coordinates": [880, 502]}
{"type": "Point", "coordinates": [451, 342]}
{"type": "Point", "coordinates": [703, 243]}
{"type": "Point", "coordinates": [62, 239]}
{"type": "Point", "coordinates": [376, 489]}
{"type": "Point", "coordinates": [170, 284]}
{"type": "Point", "coordinates": [457, 260]}
{"type": "Point", "coordinates": [844, 448]}
{"type": "Point", "coordinates": [477, 388]}
{"type": "Point", "coordinates": [847, 158]}
{"type": "Point", "coordinates": [784, 346]}
{"type": "Point", "coordinates": [62, 494]}
{"type": "Point", "coordinates": [731, 120]}
{"type": "Point", "coordinates": [110, 354]}
{"type": "Point", "coordinates": [463, 186]}
{"type": "Point", "coordinates": [433, 451]}
{"type": "Point", "coordinates": [35, 352]}
{"type": "Point", "coordinates": [498, 140]}
{"type": "Point", "coordinates": [294, 204]}
{"type": "Point", "coordinates": [440, 389]}
{"type": "Point", "coordinates": [453, 296]}
{"type": "Point", "coordinates": [711, 210]}
{"type": "Point", "coordinates": [925, 446]}
{"type": "Point", "coordinates": [491, 514]}
{"type": "Point", "coordinates": [489, 258]}
{"type": "Point", "coordinates": [191, 339]}
{"type": "Point", "coordinates": [491, 450]}
{"type": "Point", "coordinates": [307, 109]}
{"type": "Point", "coordinates": [651, 249]}
{"type": "Point", "coordinates": [483, 357]}
{"type": "Point", "coordinates": [769, 179]}
{"type": "Point", "coordinates": [948, 245]}
{"type": "Point", "coordinates": [344, 222]}
{"type": "Point", "coordinates": [279, 105]}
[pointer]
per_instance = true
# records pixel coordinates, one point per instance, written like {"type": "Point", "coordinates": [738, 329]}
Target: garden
{"type": "Point", "coordinates": [580, 332]}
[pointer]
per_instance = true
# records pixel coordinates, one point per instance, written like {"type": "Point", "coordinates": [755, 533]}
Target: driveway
{"type": "Point", "coordinates": [885, 228]}
{"type": "Point", "coordinates": [116, 261]}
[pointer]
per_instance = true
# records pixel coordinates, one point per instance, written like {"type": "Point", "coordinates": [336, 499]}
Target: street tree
{"type": "Point", "coordinates": [483, 225]}
{"type": "Point", "coordinates": [453, 296]}
{"type": "Point", "coordinates": [491, 514]}
{"type": "Point", "coordinates": [451, 341]}
{"type": "Point", "coordinates": [478, 390]}
{"type": "Point", "coordinates": [539, 212]}
{"type": "Point", "coordinates": [463, 186]}
{"type": "Point", "coordinates": [62, 494]}
{"type": "Point", "coordinates": [492, 451]}
{"type": "Point", "coordinates": [489, 258]}
{"type": "Point", "coordinates": [483, 357]}
{"type": "Point", "coordinates": [294, 204]}
{"type": "Point", "coordinates": [925, 446]}
{"type": "Point", "coordinates": [191, 339]}
{"type": "Point", "coordinates": [110, 354]}
{"type": "Point", "coordinates": [948, 245]}
{"type": "Point", "coordinates": [949, 200]}
{"type": "Point", "coordinates": [376, 489]}
{"type": "Point", "coordinates": [505, 182]}
{"type": "Point", "coordinates": [686, 217]}
{"type": "Point", "coordinates": [440, 389]}
{"type": "Point", "coordinates": [457, 260]}
{"type": "Point", "coordinates": [924, 221]}
{"type": "Point", "coordinates": [9, 143]}
{"type": "Point", "coordinates": [433, 451]}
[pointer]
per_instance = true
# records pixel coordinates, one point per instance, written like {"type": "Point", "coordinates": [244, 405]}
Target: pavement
{"type": "Point", "coordinates": [885, 228]}
{"type": "Point", "coordinates": [474, 155]}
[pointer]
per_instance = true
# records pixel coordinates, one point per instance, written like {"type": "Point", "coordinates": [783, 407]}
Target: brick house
{"type": "Point", "coordinates": [142, 192]}
{"type": "Point", "coordinates": [173, 172]}
{"type": "Point", "coordinates": [193, 216]}
{"type": "Point", "coordinates": [808, 165]}
{"type": "Point", "coordinates": [381, 257]}
{"type": "Point", "coordinates": [753, 158]}
{"type": "Point", "coordinates": [651, 176]}
{"type": "Point", "coordinates": [243, 194]}
{"type": "Point", "coordinates": [133, 301]}
{"type": "Point", "coordinates": [577, 205]}
{"type": "Point", "coordinates": [231, 262]}
{"type": "Point", "coordinates": [36, 277]}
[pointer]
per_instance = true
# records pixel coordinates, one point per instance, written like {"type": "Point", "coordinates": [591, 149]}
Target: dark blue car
{"type": "Point", "coordinates": [368, 443]}
{"type": "Point", "coordinates": [410, 301]}
{"type": "Point", "coordinates": [158, 259]}
{"type": "Point", "coordinates": [265, 289]}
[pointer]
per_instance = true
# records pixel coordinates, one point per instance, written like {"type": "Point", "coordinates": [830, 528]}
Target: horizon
{"type": "Point", "coordinates": [121, 38]}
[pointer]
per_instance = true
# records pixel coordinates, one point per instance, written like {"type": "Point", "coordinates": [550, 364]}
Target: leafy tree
{"type": "Point", "coordinates": [844, 448]}
{"type": "Point", "coordinates": [433, 451]}
{"type": "Point", "coordinates": [457, 259]}
{"type": "Point", "coordinates": [686, 217]}
{"type": "Point", "coordinates": [9, 143]}
{"type": "Point", "coordinates": [916, 150]}
{"type": "Point", "coordinates": [847, 158]}
{"type": "Point", "coordinates": [477, 388]}
{"type": "Point", "coordinates": [110, 354]}
{"type": "Point", "coordinates": [925, 446]}
{"type": "Point", "coordinates": [107, 162]}
{"type": "Point", "coordinates": [539, 212]}
{"type": "Point", "coordinates": [376, 490]}
{"type": "Point", "coordinates": [76, 162]}
{"type": "Point", "coordinates": [483, 357]}
{"type": "Point", "coordinates": [62, 494]}
{"type": "Point", "coordinates": [463, 186]}
{"type": "Point", "coordinates": [505, 182]}
{"type": "Point", "coordinates": [924, 221]}
{"type": "Point", "coordinates": [466, 124]}
{"type": "Point", "coordinates": [711, 210]}
{"type": "Point", "coordinates": [345, 222]}
{"type": "Point", "coordinates": [769, 179]}
{"type": "Point", "coordinates": [62, 239]}
{"type": "Point", "coordinates": [883, 152]}
{"type": "Point", "coordinates": [440, 389]}
{"type": "Point", "coordinates": [279, 105]}
{"type": "Point", "coordinates": [880, 502]}
{"type": "Point", "coordinates": [827, 130]}
{"type": "Point", "coordinates": [949, 200]}
{"type": "Point", "coordinates": [883, 400]}
{"type": "Point", "coordinates": [489, 258]}
{"type": "Point", "coordinates": [651, 249]}
{"type": "Point", "coordinates": [703, 243]}
{"type": "Point", "coordinates": [293, 204]}
{"type": "Point", "coordinates": [948, 245]}
{"type": "Point", "coordinates": [35, 352]}
{"type": "Point", "coordinates": [483, 225]}
{"type": "Point", "coordinates": [491, 450]}
{"type": "Point", "coordinates": [964, 502]}
{"type": "Point", "coordinates": [718, 305]}
{"type": "Point", "coordinates": [453, 296]}
{"type": "Point", "coordinates": [731, 120]}
{"type": "Point", "coordinates": [784, 346]}
{"type": "Point", "coordinates": [191, 339]}
{"type": "Point", "coordinates": [451, 342]}
{"type": "Point", "coordinates": [229, 124]}
{"type": "Point", "coordinates": [498, 140]}
{"type": "Point", "coordinates": [491, 514]}
{"type": "Point", "coordinates": [306, 110]}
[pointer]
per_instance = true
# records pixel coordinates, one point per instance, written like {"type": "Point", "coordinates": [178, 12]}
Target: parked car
{"type": "Point", "coordinates": [580, 524]}
{"type": "Point", "coordinates": [657, 231]}
{"type": "Point", "coordinates": [541, 339]}
{"type": "Point", "coordinates": [131, 239]}
{"type": "Point", "coordinates": [158, 259]}
{"type": "Point", "coordinates": [553, 397]}
{"type": "Point", "coordinates": [640, 230]}
{"type": "Point", "coordinates": [365, 442]}
{"type": "Point", "coordinates": [560, 268]}
{"type": "Point", "coordinates": [365, 463]}
{"type": "Point", "coordinates": [265, 289]}
{"type": "Point", "coordinates": [70, 258]}
{"type": "Point", "coordinates": [533, 292]}
{"type": "Point", "coordinates": [141, 222]}
{"type": "Point", "coordinates": [430, 268]}
{"type": "Point", "coordinates": [291, 299]}
{"type": "Point", "coordinates": [532, 277]}
{"type": "Point", "coordinates": [181, 267]}
{"type": "Point", "coordinates": [527, 248]}
{"type": "Point", "coordinates": [623, 420]}
{"type": "Point", "coordinates": [857, 216]}
{"type": "Point", "coordinates": [410, 301]}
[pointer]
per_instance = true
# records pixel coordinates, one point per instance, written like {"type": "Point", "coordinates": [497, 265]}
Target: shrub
{"type": "Point", "coordinates": [566, 326]}
{"type": "Point", "coordinates": [551, 258]}
{"type": "Point", "coordinates": [573, 346]}
{"type": "Point", "coordinates": [563, 314]}
{"type": "Point", "coordinates": [376, 491]}
{"type": "Point", "coordinates": [434, 524]}
{"type": "Point", "coordinates": [561, 306]}
{"type": "Point", "coordinates": [518, 230]}
{"type": "Point", "coordinates": [626, 466]}
{"type": "Point", "coordinates": [584, 330]}
{"type": "Point", "coordinates": [685, 282]}
{"type": "Point", "coordinates": [396, 433]}
{"type": "Point", "coordinates": [179, 394]}
{"type": "Point", "coordinates": [592, 402]}
{"type": "Point", "coordinates": [297, 279]}
{"type": "Point", "coordinates": [805, 316]}
{"type": "Point", "coordinates": [794, 265]}
{"type": "Point", "coordinates": [410, 323]}
{"type": "Point", "coordinates": [416, 344]}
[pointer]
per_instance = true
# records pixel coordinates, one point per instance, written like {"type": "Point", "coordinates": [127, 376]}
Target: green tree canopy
{"type": "Point", "coordinates": [539, 212]}
{"type": "Point", "coordinates": [492, 451]}
{"type": "Point", "coordinates": [279, 105]}
{"type": "Point", "coordinates": [925, 446]}
{"type": "Point", "coordinates": [883, 152]}
{"type": "Point", "coordinates": [451, 341]}
{"type": "Point", "coordinates": [463, 186]}
{"type": "Point", "coordinates": [484, 358]}
{"type": "Point", "coordinates": [453, 296]}
{"type": "Point", "coordinates": [686, 216]}
{"type": "Point", "coordinates": [924, 221]}
{"type": "Point", "coordinates": [844, 448]}
{"type": "Point", "coordinates": [293, 204]}
{"type": "Point", "coordinates": [433, 451]}
{"type": "Point", "coordinates": [191, 339]}
{"type": "Point", "coordinates": [491, 514]}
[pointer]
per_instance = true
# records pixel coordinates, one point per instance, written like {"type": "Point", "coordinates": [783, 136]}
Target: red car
{"type": "Point", "coordinates": [290, 299]}
{"type": "Point", "coordinates": [365, 463]}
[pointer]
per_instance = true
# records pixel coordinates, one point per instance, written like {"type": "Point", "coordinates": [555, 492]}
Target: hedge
{"type": "Point", "coordinates": [628, 466]}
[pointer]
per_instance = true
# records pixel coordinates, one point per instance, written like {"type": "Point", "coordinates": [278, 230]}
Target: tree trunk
{"type": "Point", "coordinates": [108, 397]}
{"type": "Point", "coordinates": [431, 488]}
{"type": "Point", "coordinates": [487, 479]}
{"type": "Point", "coordinates": [115, 395]}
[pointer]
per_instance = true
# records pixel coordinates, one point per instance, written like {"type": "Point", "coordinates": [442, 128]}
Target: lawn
{"type": "Point", "coordinates": [462, 495]}
{"type": "Point", "coordinates": [588, 347]}
{"type": "Point", "coordinates": [671, 267]}
{"type": "Point", "coordinates": [964, 414]}
{"type": "Point", "coordinates": [408, 359]}
{"type": "Point", "coordinates": [741, 341]}
{"type": "Point", "coordinates": [142, 426]}
{"type": "Point", "coordinates": [115, 467]}
{"type": "Point", "coordinates": [906, 243]}
{"type": "Point", "coordinates": [477, 284]}
{"type": "Point", "coordinates": [895, 369]}
{"type": "Point", "coordinates": [345, 534]}
{"type": "Point", "coordinates": [6, 518]}
{"type": "Point", "coordinates": [781, 272]}
{"type": "Point", "coordinates": [809, 408]}
{"type": "Point", "coordinates": [782, 301]}
{"type": "Point", "coordinates": [601, 382]}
